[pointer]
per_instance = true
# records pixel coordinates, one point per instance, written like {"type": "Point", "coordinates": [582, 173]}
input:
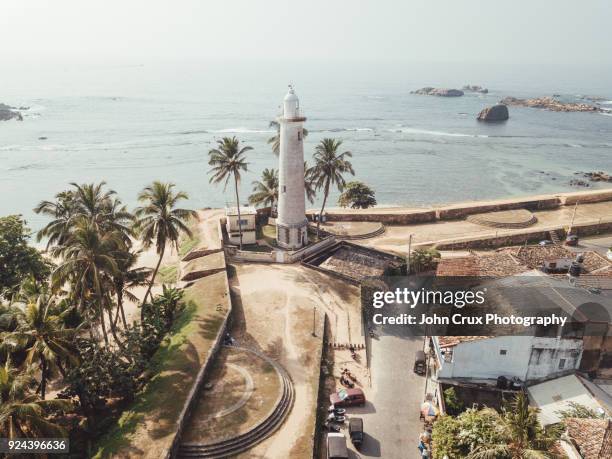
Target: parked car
{"type": "Point", "coordinates": [571, 240]}
{"type": "Point", "coordinates": [356, 431]}
{"type": "Point", "coordinates": [546, 242]}
{"type": "Point", "coordinates": [347, 397]}
{"type": "Point", "coordinates": [336, 446]}
{"type": "Point", "coordinates": [419, 363]}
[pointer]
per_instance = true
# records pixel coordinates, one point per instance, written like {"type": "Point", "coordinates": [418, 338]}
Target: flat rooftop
{"type": "Point", "coordinates": [233, 211]}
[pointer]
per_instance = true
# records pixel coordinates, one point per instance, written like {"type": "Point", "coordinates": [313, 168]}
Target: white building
{"type": "Point", "coordinates": [528, 358]}
{"type": "Point", "coordinates": [558, 394]}
{"type": "Point", "coordinates": [248, 217]}
{"type": "Point", "coordinates": [291, 223]}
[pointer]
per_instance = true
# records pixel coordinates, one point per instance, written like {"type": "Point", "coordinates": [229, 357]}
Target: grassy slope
{"type": "Point", "coordinates": [147, 427]}
{"type": "Point", "coordinates": [188, 243]}
{"type": "Point", "coordinates": [167, 275]}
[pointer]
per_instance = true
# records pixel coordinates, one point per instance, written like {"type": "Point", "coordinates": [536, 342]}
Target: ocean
{"type": "Point", "coordinates": [131, 123]}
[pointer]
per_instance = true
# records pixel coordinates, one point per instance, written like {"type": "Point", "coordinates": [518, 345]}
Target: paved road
{"type": "Point", "coordinates": [391, 415]}
{"type": "Point", "coordinates": [599, 244]}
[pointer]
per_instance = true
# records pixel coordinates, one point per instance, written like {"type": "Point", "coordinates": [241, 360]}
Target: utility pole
{"type": "Point", "coordinates": [569, 231]}
{"type": "Point", "coordinates": [314, 321]}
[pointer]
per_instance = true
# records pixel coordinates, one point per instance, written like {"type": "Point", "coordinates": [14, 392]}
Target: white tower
{"type": "Point", "coordinates": [291, 224]}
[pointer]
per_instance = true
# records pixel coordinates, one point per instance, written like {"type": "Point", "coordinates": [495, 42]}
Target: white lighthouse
{"type": "Point", "coordinates": [291, 224]}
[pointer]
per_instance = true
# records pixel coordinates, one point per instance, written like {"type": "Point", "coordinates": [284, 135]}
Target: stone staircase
{"type": "Point", "coordinates": [493, 222]}
{"type": "Point", "coordinates": [554, 237]}
{"type": "Point", "coordinates": [377, 232]}
{"type": "Point", "coordinates": [233, 446]}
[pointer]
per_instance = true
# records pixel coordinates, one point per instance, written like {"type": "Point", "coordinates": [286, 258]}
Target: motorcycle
{"type": "Point", "coordinates": [331, 427]}
{"type": "Point", "coordinates": [349, 375]}
{"type": "Point", "coordinates": [334, 410]}
{"type": "Point", "coordinates": [336, 418]}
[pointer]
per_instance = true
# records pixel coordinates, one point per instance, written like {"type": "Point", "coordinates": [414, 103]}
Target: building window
{"type": "Point", "coordinates": [299, 135]}
{"type": "Point", "coordinates": [284, 189]}
{"type": "Point", "coordinates": [561, 364]}
{"type": "Point", "coordinates": [243, 222]}
{"type": "Point", "coordinates": [503, 352]}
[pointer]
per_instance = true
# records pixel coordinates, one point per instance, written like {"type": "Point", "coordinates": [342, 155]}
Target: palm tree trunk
{"type": "Point", "coordinates": [238, 207]}
{"type": "Point", "coordinates": [120, 306]}
{"type": "Point", "coordinates": [323, 206]}
{"type": "Point", "coordinates": [60, 367]}
{"type": "Point", "coordinates": [116, 319]}
{"type": "Point", "coordinates": [144, 300]}
{"type": "Point", "coordinates": [114, 330]}
{"type": "Point", "coordinates": [43, 377]}
{"type": "Point", "coordinates": [102, 322]}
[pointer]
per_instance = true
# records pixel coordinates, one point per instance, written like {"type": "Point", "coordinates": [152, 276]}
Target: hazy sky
{"type": "Point", "coordinates": [520, 31]}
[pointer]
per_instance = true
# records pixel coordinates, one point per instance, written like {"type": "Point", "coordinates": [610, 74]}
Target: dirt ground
{"type": "Point", "coordinates": [275, 307]}
{"type": "Point", "coordinates": [245, 389]}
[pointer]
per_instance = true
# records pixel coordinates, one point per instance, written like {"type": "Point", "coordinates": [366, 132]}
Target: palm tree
{"type": "Point", "coordinates": [127, 277]}
{"type": "Point", "coordinates": [227, 161]}
{"type": "Point", "coordinates": [160, 222]}
{"type": "Point", "coordinates": [22, 414]}
{"type": "Point", "coordinates": [265, 191]}
{"type": "Point", "coordinates": [61, 212]}
{"type": "Point", "coordinates": [88, 202]}
{"type": "Point", "coordinates": [329, 169]}
{"type": "Point", "coordinates": [88, 265]}
{"type": "Point", "coordinates": [42, 335]}
{"type": "Point", "coordinates": [275, 139]}
{"type": "Point", "coordinates": [523, 436]}
{"type": "Point", "coordinates": [309, 188]}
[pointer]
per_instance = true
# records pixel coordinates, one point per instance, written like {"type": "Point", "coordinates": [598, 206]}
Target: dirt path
{"type": "Point", "coordinates": [273, 313]}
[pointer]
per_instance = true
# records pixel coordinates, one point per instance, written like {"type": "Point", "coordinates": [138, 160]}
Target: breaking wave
{"type": "Point", "coordinates": [242, 130]}
{"type": "Point", "coordinates": [436, 133]}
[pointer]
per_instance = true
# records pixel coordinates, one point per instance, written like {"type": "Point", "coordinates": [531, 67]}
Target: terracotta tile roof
{"type": "Point", "coordinates": [557, 450]}
{"type": "Point", "coordinates": [496, 265]}
{"type": "Point", "coordinates": [591, 436]}
{"type": "Point", "coordinates": [449, 341]}
{"type": "Point", "coordinates": [535, 256]}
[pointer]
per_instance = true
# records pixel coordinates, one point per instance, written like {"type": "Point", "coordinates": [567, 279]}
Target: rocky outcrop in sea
{"type": "Point", "coordinates": [552, 104]}
{"type": "Point", "coordinates": [9, 113]}
{"type": "Point", "coordinates": [497, 112]}
{"type": "Point", "coordinates": [475, 88]}
{"type": "Point", "coordinates": [597, 176]}
{"type": "Point", "coordinates": [441, 92]}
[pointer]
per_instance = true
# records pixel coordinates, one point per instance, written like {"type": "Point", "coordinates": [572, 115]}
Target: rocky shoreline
{"type": "Point", "coordinates": [552, 104]}
{"type": "Point", "coordinates": [9, 113]}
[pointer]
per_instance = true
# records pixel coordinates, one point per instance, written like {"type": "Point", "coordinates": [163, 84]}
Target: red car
{"type": "Point", "coordinates": [347, 397]}
{"type": "Point", "coordinates": [571, 240]}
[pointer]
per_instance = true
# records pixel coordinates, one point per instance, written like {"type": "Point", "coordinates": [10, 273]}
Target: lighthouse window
{"type": "Point", "coordinates": [284, 188]}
